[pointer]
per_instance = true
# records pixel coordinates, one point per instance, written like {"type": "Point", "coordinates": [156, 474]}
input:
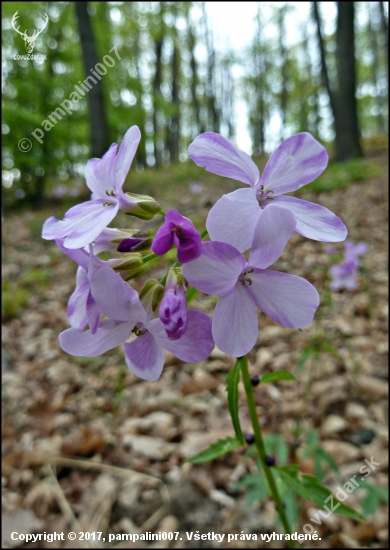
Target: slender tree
{"type": "Point", "coordinates": [97, 114]}
{"type": "Point", "coordinates": [342, 98]}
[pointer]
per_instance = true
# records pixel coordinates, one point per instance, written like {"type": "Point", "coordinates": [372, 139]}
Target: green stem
{"type": "Point", "coordinates": [149, 257]}
{"type": "Point", "coordinates": [259, 442]}
{"type": "Point", "coordinates": [204, 233]}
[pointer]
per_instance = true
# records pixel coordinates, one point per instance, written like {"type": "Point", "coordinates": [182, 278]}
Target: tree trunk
{"type": "Point", "coordinates": [375, 72]}
{"type": "Point", "coordinates": [97, 116]}
{"type": "Point", "coordinates": [342, 100]}
{"type": "Point", "coordinates": [198, 122]}
{"type": "Point", "coordinates": [174, 123]}
{"type": "Point", "coordinates": [346, 121]}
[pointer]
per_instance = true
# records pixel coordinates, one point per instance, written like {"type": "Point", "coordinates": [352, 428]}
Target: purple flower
{"type": "Point", "coordinates": [105, 177]}
{"type": "Point", "coordinates": [145, 354]}
{"type": "Point", "coordinates": [243, 286]}
{"type": "Point", "coordinates": [354, 250]}
{"type": "Point", "coordinates": [82, 309]}
{"type": "Point", "coordinates": [173, 310]}
{"type": "Point", "coordinates": [297, 161]}
{"type": "Point", "coordinates": [180, 231]}
{"type": "Point", "coordinates": [344, 275]}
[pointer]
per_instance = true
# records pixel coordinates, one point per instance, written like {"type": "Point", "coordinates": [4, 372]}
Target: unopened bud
{"type": "Point", "coordinates": [140, 206]}
{"type": "Point", "coordinates": [151, 295]}
{"type": "Point", "coordinates": [250, 439]}
{"type": "Point", "coordinates": [129, 265]}
{"type": "Point", "coordinates": [173, 310]}
{"type": "Point", "coordinates": [141, 240]}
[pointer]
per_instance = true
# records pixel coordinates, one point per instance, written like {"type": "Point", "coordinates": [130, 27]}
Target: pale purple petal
{"type": "Point", "coordinates": [314, 221]}
{"type": "Point", "coordinates": [93, 313]}
{"type": "Point", "coordinates": [235, 323]}
{"type": "Point", "coordinates": [233, 218]}
{"type": "Point", "coordinates": [145, 357]}
{"type": "Point", "coordinates": [99, 173]}
{"type": "Point", "coordinates": [85, 344]}
{"type": "Point", "coordinates": [89, 226]}
{"type": "Point", "coordinates": [195, 345]}
{"type": "Point", "coordinates": [116, 299]}
{"type": "Point", "coordinates": [217, 268]}
{"type": "Point", "coordinates": [275, 227]}
{"type": "Point", "coordinates": [287, 299]}
{"type": "Point", "coordinates": [125, 155]}
{"type": "Point", "coordinates": [82, 223]}
{"type": "Point", "coordinates": [78, 255]}
{"type": "Point", "coordinates": [297, 161]}
{"type": "Point", "coordinates": [77, 302]}
{"type": "Point", "coordinates": [218, 155]}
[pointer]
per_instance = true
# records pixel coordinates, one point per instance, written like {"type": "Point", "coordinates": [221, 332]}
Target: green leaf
{"type": "Point", "coordinates": [310, 489]}
{"type": "Point", "coordinates": [191, 294]}
{"type": "Point", "coordinates": [233, 380]}
{"type": "Point", "coordinates": [370, 503]}
{"type": "Point", "coordinates": [221, 447]}
{"type": "Point", "coordinates": [277, 375]}
{"type": "Point", "coordinates": [306, 353]}
{"type": "Point", "coordinates": [326, 456]}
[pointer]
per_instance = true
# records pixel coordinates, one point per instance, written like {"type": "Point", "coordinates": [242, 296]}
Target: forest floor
{"type": "Point", "coordinates": [88, 447]}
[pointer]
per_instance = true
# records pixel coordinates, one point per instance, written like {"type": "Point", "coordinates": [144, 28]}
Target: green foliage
{"type": "Point", "coordinates": [14, 299]}
{"type": "Point", "coordinates": [317, 345]}
{"type": "Point", "coordinates": [191, 294]}
{"type": "Point", "coordinates": [220, 448]}
{"type": "Point", "coordinates": [309, 488]}
{"type": "Point", "coordinates": [375, 495]}
{"type": "Point", "coordinates": [343, 174]}
{"type": "Point", "coordinates": [320, 457]}
{"type": "Point", "coordinates": [276, 376]}
{"type": "Point", "coordinates": [233, 380]}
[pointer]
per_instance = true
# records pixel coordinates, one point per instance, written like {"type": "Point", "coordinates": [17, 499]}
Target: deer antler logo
{"type": "Point", "coordinates": [29, 40]}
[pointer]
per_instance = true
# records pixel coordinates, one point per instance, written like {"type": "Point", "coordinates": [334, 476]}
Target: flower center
{"type": "Point", "coordinates": [179, 232]}
{"type": "Point", "coordinates": [138, 330]}
{"type": "Point", "coordinates": [263, 195]}
{"type": "Point", "coordinates": [110, 193]}
{"type": "Point", "coordinates": [244, 279]}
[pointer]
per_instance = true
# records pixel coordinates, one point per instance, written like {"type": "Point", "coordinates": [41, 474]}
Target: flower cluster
{"type": "Point", "coordinates": [104, 311]}
{"type": "Point", "coordinates": [344, 274]}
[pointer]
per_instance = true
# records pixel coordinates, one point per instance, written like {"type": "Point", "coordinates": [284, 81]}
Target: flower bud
{"type": "Point", "coordinates": [110, 237]}
{"type": "Point", "coordinates": [141, 240]}
{"type": "Point", "coordinates": [140, 206]}
{"type": "Point", "coordinates": [151, 295]}
{"type": "Point", "coordinates": [129, 265]}
{"type": "Point", "coordinates": [173, 308]}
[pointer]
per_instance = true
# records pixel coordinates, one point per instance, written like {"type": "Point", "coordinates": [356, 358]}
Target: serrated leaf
{"type": "Point", "coordinates": [191, 294]}
{"type": "Point", "coordinates": [233, 380]}
{"type": "Point", "coordinates": [221, 447]}
{"type": "Point", "coordinates": [276, 376]}
{"type": "Point", "coordinates": [309, 488]}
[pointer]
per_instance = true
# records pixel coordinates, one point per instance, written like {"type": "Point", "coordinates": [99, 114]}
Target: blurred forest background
{"type": "Point", "coordinates": [87, 446]}
{"type": "Point", "coordinates": [174, 83]}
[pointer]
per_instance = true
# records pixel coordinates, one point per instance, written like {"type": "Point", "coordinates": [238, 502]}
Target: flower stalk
{"type": "Point", "coordinates": [259, 443]}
